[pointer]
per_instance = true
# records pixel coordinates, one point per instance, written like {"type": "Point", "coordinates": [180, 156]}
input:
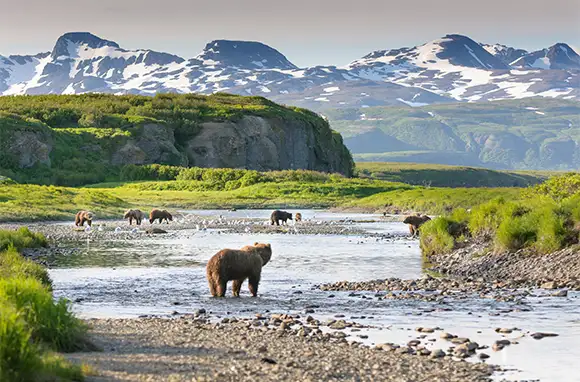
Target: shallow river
{"type": "Point", "coordinates": [119, 278]}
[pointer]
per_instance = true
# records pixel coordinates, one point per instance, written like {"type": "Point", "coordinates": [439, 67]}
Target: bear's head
{"type": "Point", "coordinates": [128, 214]}
{"type": "Point", "coordinates": [410, 219]}
{"type": "Point", "coordinates": [168, 215]}
{"type": "Point", "coordinates": [265, 252]}
{"type": "Point", "coordinates": [289, 215]}
{"type": "Point", "coordinates": [89, 215]}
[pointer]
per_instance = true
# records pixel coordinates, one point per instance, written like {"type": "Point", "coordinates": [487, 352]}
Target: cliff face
{"type": "Point", "coordinates": [268, 144]}
{"type": "Point", "coordinates": [253, 142]}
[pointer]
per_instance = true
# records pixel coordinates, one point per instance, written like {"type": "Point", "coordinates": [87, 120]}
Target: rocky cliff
{"type": "Point", "coordinates": [270, 138]}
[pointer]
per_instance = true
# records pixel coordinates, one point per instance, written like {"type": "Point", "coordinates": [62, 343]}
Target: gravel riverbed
{"type": "Point", "coordinates": [189, 348]}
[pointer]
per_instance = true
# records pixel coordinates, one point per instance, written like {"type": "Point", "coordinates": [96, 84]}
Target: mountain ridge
{"type": "Point", "coordinates": [449, 69]}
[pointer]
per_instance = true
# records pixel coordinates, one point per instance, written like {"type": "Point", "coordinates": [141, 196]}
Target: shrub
{"type": "Point", "coordinates": [435, 236]}
{"type": "Point", "coordinates": [51, 323]}
{"type": "Point", "coordinates": [21, 238]}
{"type": "Point", "coordinates": [516, 232]}
{"type": "Point", "coordinates": [559, 187]}
{"type": "Point", "coordinates": [486, 218]}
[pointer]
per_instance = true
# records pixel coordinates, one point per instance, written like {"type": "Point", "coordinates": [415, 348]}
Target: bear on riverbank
{"type": "Point", "coordinates": [136, 215]}
{"type": "Point", "coordinates": [84, 216]}
{"type": "Point", "coordinates": [280, 215]}
{"type": "Point", "coordinates": [298, 217]}
{"type": "Point", "coordinates": [237, 265]}
{"type": "Point", "coordinates": [161, 215]}
{"type": "Point", "coordinates": [414, 222]}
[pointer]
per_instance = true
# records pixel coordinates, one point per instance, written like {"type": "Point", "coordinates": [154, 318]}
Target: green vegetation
{"type": "Point", "coordinates": [546, 218]}
{"type": "Point", "coordinates": [32, 325]}
{"type": "Point", "coordinates": [532, 133]}
{"type": "Point", "coordinates": [446, 176]}
{"type": "Point", "coordinates": [225, 188]}
{"type": "Point", "coordinates": [83, 139]}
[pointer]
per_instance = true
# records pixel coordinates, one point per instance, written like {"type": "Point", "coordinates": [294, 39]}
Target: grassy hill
{"type": "Point", "coordinates": [447, 176]}
{"type": "Point", "coordinates": [534, 133]}
{"type": "Point", "coordinates": [82, 139]}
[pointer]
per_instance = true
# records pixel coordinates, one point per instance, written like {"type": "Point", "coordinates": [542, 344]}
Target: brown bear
{"type": "Point", "coordinates": [161, 215]}
{"type": "Point", "coordinates": [298, 217]}
{"type": "Point", "coordinates": [237, 265]}
{"type": "Point", "coordinates": [414, 222]}
{"type": "Point", "coordinates": [84, 216]}
{"type": "Point", "coordinates": [280, 215]}
{"type": "Point", "coordinates": [138, 215]}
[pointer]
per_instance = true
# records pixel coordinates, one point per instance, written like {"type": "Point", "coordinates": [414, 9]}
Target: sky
{"type": "Point", "coordinates": [307, 32]}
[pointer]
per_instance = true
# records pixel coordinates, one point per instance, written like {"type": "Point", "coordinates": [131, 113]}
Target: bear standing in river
{"type": "Point", "coordinates": [414, 222]}
{"type": "Point", "coordinates": [136, 215]}
{"type": "Point", "coordinates": [298, 217]}
{"type": "Point", "coordinates": [280, 215]}
{"type": "Point", "coordinates": [161, 215]}
{"type": "Point", "coordinates": [84, 216]}
{"type": "Point", "coordinates": [237, 265]}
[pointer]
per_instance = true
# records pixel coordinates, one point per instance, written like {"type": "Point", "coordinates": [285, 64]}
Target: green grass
{"type": "Point", "coordinates": [225, 188]}
{"type": "Point", "coordinates": [51, 323]}
{"type": "Point", "coordinates": [33, 326]}
{"type": "Point", "coordinates": [446, 176]}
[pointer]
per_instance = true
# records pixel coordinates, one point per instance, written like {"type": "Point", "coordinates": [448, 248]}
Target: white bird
{"type": "Point", "coordinates": [88, 229]}
{"type": "Point", "coordinates": [118, 229]}
{"type": "Point", "coordinates": [134, 230]}
{"type": "Point", "coordinates": [100, 228]}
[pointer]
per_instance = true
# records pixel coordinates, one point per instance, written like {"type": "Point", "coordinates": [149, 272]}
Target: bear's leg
{"type": "Point", "coordinates": [277, 222]}
{"type": "Point", "coordinates": [212, 288]}
{"type": "Point", "coordinates": [130, 220]}
{"type": "Point", "coordinates": [82, 222]}
{"type": "Point", "coordinates": [412, 230]}
{"type": "Point", "coordinates": [236, 286]}
{"type": "Point", "coordinates": [90, 223]}
{"type": "Point", "coordinates": [253, 282]}
{"type": "Point", "coordinates": [221, 288]}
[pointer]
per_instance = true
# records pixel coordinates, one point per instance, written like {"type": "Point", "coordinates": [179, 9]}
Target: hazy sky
{"type": "Point", "coordinates": [308, 32]}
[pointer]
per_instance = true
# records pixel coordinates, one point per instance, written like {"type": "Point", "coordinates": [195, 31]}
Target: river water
{"type": "Point", "coordinates": [118, 278]}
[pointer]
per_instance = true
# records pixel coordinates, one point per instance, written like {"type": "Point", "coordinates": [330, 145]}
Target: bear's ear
{"type": "Point", "coordinates": [268, 245]}
{"type": "Point", "coordinates": [256, 243]}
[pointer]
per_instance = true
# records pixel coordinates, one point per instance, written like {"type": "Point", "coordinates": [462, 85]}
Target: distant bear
{"type": "Point", "coordinates": [138, 215]}
{"type": "Point", "coordinates": [280, 215]}
{"type": "Point", "coordinates": [298, 217]}
{"type": "Point", "coordinates": [237, 265]}
{"type": "Point", "coordinates": [414, 222]}
{"type": "Point", "coordinates": [161, 215]}
{"type": "Point", "coordinates": [84, 216]}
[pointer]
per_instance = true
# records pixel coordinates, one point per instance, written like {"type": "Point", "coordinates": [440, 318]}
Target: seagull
{"type": "Point", "coordinates": [88, 229]}
{"type": "Point", "coordinates": [118, 229]}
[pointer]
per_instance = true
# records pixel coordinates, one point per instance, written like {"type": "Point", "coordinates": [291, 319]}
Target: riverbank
{"type": "Point", "coordinates": [188, 348]}
{"type": "Point", "coordinates": [559, 269]}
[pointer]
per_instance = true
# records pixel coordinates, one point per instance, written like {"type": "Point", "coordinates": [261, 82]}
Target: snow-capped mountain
{"type": "Point", "coordinates": [559, 56]}
{"type": "Point", "coordinates": [444, 70]}
{"type": "Point", "coordinates": [506, 54]}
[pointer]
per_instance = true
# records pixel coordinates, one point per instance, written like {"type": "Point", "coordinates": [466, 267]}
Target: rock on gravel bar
{"type": "Point", "coordinates": [189, 349]}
